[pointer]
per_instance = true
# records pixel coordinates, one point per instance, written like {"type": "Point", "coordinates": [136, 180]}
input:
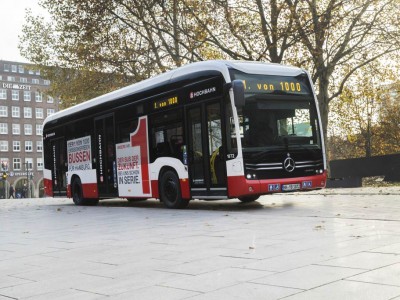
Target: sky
{"type": "Point", "coordinates": [11, 21]}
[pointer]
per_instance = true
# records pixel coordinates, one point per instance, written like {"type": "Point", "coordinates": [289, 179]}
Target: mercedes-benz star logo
{"type": "Point", "coordinates": [289, 164]}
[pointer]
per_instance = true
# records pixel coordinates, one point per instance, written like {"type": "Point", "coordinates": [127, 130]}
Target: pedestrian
{"type": "Point", "coordinates": [11, 191]}
{"type": "Point", "coordinates": [24, 190]}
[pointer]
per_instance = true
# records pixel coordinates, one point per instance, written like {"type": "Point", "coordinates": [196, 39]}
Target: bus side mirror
{"type": "Point", "coordinates": [238, 92]}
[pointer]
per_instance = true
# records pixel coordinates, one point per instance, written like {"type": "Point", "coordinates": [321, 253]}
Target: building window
{"type": "Point", "coordinates": [4, 146]}
{"type": "Point", "coordinates": [3, 128]}
{"type": "Point", "coordinates": [31, 72]}
{"type": "Point", "coordinates": [50, 99]}
{"type": "Point", "coordinates": [39, 163]}
{"type": "Point", "coordinates": [38, 96]}
{"type": "Point", "coordinates": [15, 111]}
{"type": "Point", "coordinates": [27, 112]}
{"type": "Point", "coordinates": [50, 111]}
{"type": "Point", "coordinates": [27, 96]}
{"type": "Point", "coordinates": [39, 146]}
{"type": "Point", "coordinates": [14, 68]}
{"type": "Point", "coordinates": [28, 146]}
{"type": "Point", "coordinates": [15, 95]}
{"type": "Point", "coordinates": [35, 81]}
{"type": "Point", "coordinates": [16, 129]}
{"type": "Point", "coordinates": [3, 94]}
{"type": "Point", "coordinates": [6, 68]}
{"type": "Point", "coordinates": [16, 164]}
{"type": "Point", "coordinates": [3, 111]}
{"type": "Point", "coordinates": [21, 69]}
{"type": "Point", "coordinates": [39, 129]}
{"type": "Point", "coordinates": [29, 163]}
{"type": "Point", "coordinates": [11, 78]}
{"type": "Point", "coordinates": [23, 79]}
{"type": "Point", "coordinates": [16, 146]}
{"type": "Point", "coordinates": [46, 82]}
{"type": "Point", "coordinates": [28, 129]}
{"type": "Point", "coordinates": [39, 113]}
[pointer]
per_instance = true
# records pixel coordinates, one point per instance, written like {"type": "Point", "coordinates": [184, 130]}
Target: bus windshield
{"type": "Point", "coordinates": [279, 114]}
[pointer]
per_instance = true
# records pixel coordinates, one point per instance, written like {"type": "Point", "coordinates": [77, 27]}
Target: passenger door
{"type": "Point", "coordinates": [206, 154]}
{"type": "Point", "coordinates": [105, 156]}
{"type": "Point", "coordinates": [59, 167]}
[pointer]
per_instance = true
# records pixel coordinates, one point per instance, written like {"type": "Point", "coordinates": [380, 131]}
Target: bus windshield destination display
{"type": "Point", "coordinates": [256, 84]}
{"type": "Point", "coordinates": [165, 102]}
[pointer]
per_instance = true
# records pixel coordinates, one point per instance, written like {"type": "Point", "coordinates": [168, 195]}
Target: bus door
{"type": "Point", "coordinates": [206, 159]}
{"type": "Point", "coordinates": [59, 167]}
{"type": "Point", "coordinates": [105, 156]}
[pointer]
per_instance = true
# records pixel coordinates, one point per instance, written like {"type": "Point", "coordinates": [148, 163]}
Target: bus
{"type": "Point", "coordinates": [208, 130]}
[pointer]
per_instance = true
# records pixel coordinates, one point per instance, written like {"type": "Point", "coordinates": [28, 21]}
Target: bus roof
{"type": "Point", "coordinates": [212, 65]}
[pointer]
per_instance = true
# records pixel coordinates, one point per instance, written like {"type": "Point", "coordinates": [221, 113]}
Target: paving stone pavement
{"type": "Point", "coordinates": [329, 244]}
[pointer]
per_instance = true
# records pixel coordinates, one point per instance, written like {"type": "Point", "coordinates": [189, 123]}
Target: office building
{"type": "Point", "coordinates": [24, 105]}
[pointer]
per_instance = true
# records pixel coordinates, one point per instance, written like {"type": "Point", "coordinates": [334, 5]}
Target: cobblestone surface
{"type": "Point", "coordinates": [330, 244]}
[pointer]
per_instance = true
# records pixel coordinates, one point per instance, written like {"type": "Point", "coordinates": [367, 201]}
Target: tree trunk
{"type": "Point", "coordinates": [323, 103]}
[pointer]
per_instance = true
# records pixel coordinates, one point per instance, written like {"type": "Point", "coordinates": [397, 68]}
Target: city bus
{"type": "Point", "coordinates": [208, 130]}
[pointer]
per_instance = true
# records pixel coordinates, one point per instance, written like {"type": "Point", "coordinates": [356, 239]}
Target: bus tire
{"type": "Point", "coordinates": [247, 199]}
{"type": "Point", "coordinates": [77, 194]}
{"type": "Point", "coordinates": [170, 191]}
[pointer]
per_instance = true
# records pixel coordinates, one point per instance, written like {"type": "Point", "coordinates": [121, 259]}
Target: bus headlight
{"type": "Point", "coordinates": [251, 176]}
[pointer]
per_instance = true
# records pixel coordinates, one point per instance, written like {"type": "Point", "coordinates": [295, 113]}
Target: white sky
{"type": "Point", "coordinates": [11, 21]}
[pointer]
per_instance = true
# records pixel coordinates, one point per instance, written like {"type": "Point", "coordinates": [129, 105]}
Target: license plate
{"type": "Point", "coordinates": [275, 187]}
{"type": "Point", "coordinates": [290, 187]}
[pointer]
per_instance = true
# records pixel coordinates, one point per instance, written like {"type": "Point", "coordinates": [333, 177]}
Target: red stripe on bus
{"type": "Point", "coordinates": [240, 186]}
{"type": "Point", "coordinates": [90, 190]}
{"type": "Point", "coordinates": [139, 138]}
{"type": "Point", "coordinates": [48, 187]}
{"type": "Point", "coordinates": [185, 188]}
{"type": "Point", "coordinates": [154, 189]}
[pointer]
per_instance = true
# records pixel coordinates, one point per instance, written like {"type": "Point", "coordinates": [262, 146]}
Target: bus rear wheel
{"type": "Point", "coordinates": [170, 191]}
{"type": "Point", "coordinates": [77, 194]}
{"type": "Point", "coordinates": [247, 199]}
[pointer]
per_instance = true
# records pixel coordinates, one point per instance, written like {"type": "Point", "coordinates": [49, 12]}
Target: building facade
{"type": "Point", "coordinates": [23, 107]}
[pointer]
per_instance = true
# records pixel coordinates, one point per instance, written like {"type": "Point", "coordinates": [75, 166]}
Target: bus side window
{"type": "Point", "coordinates": [230, 129]}
{"type": "Point", "coordinates": [125, 129]}
{"type": "Point", "coordinates": [166, 131]}
{"type": "Point", "coordinates": [176, 142]}
{"type": "Point", "coordinates": [168, 141]}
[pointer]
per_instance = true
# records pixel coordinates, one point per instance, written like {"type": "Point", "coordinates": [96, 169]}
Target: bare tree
{"type": "Point", "coordinates": [131, 40]}
{"type": "Point", "coordinates": [340, 37]}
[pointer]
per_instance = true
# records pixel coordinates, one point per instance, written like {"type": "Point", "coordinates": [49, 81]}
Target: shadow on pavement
{"type": "Point", "coordinates": [220, 205]}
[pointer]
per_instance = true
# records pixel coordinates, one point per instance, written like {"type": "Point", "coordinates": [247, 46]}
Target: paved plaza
{"type": "Point", "coordinates": [330, 244]}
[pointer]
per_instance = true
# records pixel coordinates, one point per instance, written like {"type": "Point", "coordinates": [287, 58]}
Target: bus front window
{"type": "Point", "coordinates": [278, 123]}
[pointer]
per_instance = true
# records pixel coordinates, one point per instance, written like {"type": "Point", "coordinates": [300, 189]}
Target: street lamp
{"type": "Point", "coordinates": [27, 179]}
{"type": "Point", "coordinates": [4, 175]}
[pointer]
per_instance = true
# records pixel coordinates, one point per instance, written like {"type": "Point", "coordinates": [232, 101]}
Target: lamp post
{"type": "Point", "coordinates": [27, 180]}
{"type": "Point", "coordinates": [4, 169]}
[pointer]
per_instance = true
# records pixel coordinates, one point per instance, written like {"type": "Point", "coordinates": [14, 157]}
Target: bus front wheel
{"type": "Point", "coordinates": [170, 191]}
{"type": "Point", "coordinates": [77, 194]}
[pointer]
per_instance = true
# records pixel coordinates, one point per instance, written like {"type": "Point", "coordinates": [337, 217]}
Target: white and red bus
{"type": "Point", "coordinates": [208, 130]}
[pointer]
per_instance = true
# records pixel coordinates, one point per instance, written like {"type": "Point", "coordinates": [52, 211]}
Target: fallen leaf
{"type": "Point", "coordinates": [319, 227]}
